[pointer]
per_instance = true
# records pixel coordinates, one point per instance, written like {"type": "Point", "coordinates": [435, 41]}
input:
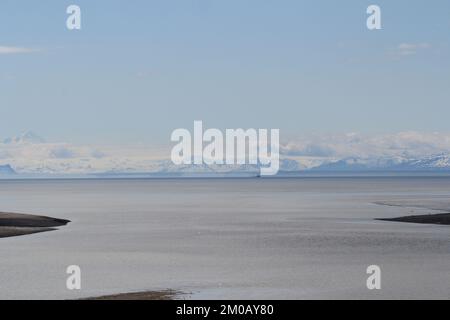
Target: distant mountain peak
{"type": "Point", "coordinates": [26, 137]}
{"type": "Point", "coordinates": [438, 162]}
{"type": "Point", "coordinates": [6, 170]}
{"type": "Point", "coordinates": [434, 163]}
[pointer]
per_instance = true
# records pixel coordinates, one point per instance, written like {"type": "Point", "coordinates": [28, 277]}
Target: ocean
{"type": "Point", "coordinates": [250, 238]}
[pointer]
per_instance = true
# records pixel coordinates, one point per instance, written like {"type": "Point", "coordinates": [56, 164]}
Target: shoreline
{"type": "Point", "coordinates": [17, 224]}
{"type": "Point", "coordinates": [439, 219]}
{"type": "Point", "coordinates": [143, 295]}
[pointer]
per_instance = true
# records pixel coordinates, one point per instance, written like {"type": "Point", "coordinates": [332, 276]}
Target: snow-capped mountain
{"type": "Point", "coordinates": [6, 170]}
{"type": "Point", "coordinates": [360, 164]}
{"type": "Point", "coordinates": [167, 166]}
{"type": "Point", "coordinates": [27, 137]}
{"type": "Point", "coordinates": [439, 162]}
{"type": "Point", "coordinates": [431, 163]}
{"type": "Point", "coordinates": [29, 154]}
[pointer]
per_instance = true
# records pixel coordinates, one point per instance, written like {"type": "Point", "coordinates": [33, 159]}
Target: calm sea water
{"type": "Point", "coordinates": [229, 238]}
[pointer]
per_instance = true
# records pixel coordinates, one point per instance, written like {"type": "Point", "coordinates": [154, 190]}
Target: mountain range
{"type": "Point", "coordinates": [430, 163]}
{"type": "Point", "coordinates": [439, 163]}
{"type": "Point", "coordinates": [29, 154]}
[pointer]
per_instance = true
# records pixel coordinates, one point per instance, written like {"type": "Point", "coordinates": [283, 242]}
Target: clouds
{"type": "Point", "coordinates": [61, 152]}
{"type": "Point", "coordinates": [409, 49]}
{"type": "Point", "coordinates": [16, 50]}
{"type": "Point", "coordinates": [31, 154]}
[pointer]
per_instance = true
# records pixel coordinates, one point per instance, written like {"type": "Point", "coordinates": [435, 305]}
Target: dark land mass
{"type": "Point", "coordinates": [145, 295]}
{"type": "Point", "coordinates": [15, 224]}
{"type": "Point", "coordinates": [441, 218]}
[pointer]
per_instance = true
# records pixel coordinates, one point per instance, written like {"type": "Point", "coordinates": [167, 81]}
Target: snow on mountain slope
{"type": "Point", "coordinates": [6, 170]}
{"type": "Point", "coordinates": [30, 154]}
{"type": "Point", "coordinates": [27, 137]}
{"type": "Point", "coordinates": [360, 164]}
{"type": "Point", "coordinates": [436, 163]}
{"type": "Point", "coordinates": [439, 162]}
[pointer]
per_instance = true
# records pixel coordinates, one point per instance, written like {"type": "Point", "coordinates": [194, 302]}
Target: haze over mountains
{"type": "Point", "coordinates": [30, 154]}
{"type": "Point", "coordinates": [24, 138]}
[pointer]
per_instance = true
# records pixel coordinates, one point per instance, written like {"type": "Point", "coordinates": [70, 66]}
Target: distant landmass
{"type": "Point", "coordinates": [6, 170]}
{"type": "Point", "coordinates": [30, 156]}
{"type": "Point", "coordinates": [28, 137]}
{"type": "Point", "coordinates": [166, 168]}
{"type": "Point", "coordinates": [434, 163]}
{"type": "Point", "coordinates": [289, 167]}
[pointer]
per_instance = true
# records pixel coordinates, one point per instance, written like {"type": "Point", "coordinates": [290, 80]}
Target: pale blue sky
{"type": "Point", "coordinates": [139, 69]}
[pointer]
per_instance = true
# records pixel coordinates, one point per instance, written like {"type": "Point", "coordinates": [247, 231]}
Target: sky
{"type": "Point", "coordinates": [137, 70]}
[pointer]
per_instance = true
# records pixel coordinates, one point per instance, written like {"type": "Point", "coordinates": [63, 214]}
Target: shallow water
{"type": "Point", "coordinates": [229, 238]}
